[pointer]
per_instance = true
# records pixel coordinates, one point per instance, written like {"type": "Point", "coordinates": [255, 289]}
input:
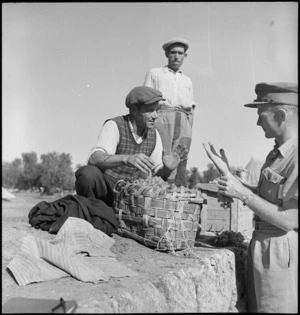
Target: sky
{"type": "Point", "coordinates": [67, 67]}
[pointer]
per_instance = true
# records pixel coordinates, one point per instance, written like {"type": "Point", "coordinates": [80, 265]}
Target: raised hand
{"type": "Point", "coordinates": [220, 161]}
{"type": "Point", "coordinates": [179, 154]}
{"type": "Point", "coordinates": [182, 152]}
{"type": "Point", "coordinates": [231, 186]}
{"type": "Point", "coordinates": [228, 184]}
{"type": "Point", "coordinates": [171, 161]}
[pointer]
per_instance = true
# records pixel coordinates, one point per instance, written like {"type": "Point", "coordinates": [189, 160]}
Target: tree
{"type": "Point", "coordinates": [65, 172]}
{"type": "Point", "coordinates": [57, 172]}
{"type": "Point", "coordinates": [193, 177]}
{"type": "Point", "coordinates": [11, 173]}
{"type": "Point", "coordinates": [30, 175]}
{"type": "Point", "coordinates": [209, 174]}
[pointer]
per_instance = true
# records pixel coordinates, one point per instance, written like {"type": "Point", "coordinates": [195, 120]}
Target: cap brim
{"type": "Point", "coordinates": [165, 46]}
{"type": "Point", "coordinates": [154, 100]}
{"type": "Point", "coordinates": [254, 104]}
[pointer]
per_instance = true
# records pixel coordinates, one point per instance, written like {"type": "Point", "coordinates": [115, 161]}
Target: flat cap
{"type": "Point", "coordinates": [143, 95]}
{"type": "Point", "coordinates": [176, 40]}
{"type": "Point", "coordinates": [275, 93]}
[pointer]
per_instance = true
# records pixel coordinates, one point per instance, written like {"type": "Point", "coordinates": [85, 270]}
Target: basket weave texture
{"type": "Point", "coordinates": [157, 214]}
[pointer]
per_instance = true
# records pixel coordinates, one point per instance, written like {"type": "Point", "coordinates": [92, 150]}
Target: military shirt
{"type": "Point", "coordinates": [278, 181]}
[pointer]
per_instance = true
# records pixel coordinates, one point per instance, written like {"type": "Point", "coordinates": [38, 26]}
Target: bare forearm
{"type": "Point", "coordinates": [106, 161]}
{"type": "Point", "coordinates": [286, 220]}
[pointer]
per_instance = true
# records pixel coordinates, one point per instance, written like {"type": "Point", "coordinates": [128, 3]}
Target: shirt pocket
{"type": "Point", "coordinates": [270, 185]}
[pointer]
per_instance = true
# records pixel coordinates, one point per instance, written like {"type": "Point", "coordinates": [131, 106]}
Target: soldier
{"type": "Point", "coordinates": [272, 276]}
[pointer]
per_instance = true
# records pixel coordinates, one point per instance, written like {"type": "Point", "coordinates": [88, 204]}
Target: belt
{"type": "Point", "coordinates": [267, 228]}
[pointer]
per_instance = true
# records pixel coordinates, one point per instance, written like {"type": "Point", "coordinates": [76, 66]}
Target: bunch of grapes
{"type": "Point", "coordinates": [229, 238]}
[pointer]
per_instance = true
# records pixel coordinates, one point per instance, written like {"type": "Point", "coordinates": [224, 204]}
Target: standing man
{"type": "Point", "coordinates": [272, 273]}
{"type": "Point", "coordinates": [127, 147]}
{"type": "Point", "coordinates": [176, 115]}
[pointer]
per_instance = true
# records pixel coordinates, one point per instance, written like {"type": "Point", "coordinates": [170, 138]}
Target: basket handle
{"type": "Point", "coordinates": [119, 185]}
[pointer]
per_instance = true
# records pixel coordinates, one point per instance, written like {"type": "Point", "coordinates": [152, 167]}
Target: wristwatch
{"type": "Point", "coordinates": [247, 199]}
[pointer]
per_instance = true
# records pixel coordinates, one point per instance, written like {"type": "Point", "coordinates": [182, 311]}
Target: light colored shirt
{"type": "Point", "coordinates": [279, 177]}
{"type": "Point", "coordinates": [176, 87]}
{"type": "Point", "coordinates": [109, 137]}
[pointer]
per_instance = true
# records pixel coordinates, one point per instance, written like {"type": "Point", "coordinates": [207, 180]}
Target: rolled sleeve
{"type": "Point", "coordinates": [108, 139]}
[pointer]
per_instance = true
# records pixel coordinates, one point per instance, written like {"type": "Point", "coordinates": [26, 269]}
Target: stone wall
{"type": "Point", "coordinates": [214, 283]}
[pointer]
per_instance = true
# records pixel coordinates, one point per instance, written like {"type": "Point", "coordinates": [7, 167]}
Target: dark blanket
{"type": "Point", "coordinates": [50, 216]}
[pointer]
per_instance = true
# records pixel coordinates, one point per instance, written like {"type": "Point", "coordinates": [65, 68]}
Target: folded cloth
{"type": "Point", "coordinates": [50, 216]}
{"type": "Point", "coordinates": [78, 250]}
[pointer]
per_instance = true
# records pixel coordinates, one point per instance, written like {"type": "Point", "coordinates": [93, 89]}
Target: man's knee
{"type": "Point", "coordinates": [87, 174]}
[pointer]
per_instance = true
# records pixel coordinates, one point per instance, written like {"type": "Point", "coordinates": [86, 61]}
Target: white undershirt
{"type": "Point", "coordinates": [109, 137]}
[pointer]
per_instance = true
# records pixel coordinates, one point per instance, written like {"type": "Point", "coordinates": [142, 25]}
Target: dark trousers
{"type": "Point", "coordinates": [92, 183]}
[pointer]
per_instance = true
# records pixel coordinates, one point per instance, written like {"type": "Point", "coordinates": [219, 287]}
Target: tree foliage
{"type": "Point", "coordinates": [210, 174]}
{"type": "Point", "coordinates": [11, 173]}
{"type": "Point", "coordinates": [193, 177]}
{"type": "Point", "coordinates": [30, 174]}
{"type": "Point", "coordinates": [54, 172]}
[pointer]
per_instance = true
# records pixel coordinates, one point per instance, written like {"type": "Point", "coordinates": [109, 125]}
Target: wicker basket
{"type": "Point", "coordinates": [159, 216]}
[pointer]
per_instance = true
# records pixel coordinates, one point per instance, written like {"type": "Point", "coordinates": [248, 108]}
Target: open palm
{"type": "Point", "coordinates": [179, 154]}
{"type": "Point", "coordinates": [220, 161]}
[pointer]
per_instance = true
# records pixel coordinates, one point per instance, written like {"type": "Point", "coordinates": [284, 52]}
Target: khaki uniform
{"type": "Point", "coordinates": [272, 285]}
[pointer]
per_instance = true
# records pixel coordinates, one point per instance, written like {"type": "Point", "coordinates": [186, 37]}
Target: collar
{"type": "Point", "coordinates": [134, 134]}
{"type": "Point", "coordinates": [288, 146]}
{"type": "Point", "coordinates": [170, 70]}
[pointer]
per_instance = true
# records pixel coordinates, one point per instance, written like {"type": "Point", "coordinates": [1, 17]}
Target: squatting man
{"type": "Point", "coordinates": [128, 147]}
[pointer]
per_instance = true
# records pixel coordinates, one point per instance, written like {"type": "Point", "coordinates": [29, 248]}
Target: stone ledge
{"type": "Point", "coordinates": [214, 284]}
{"type": "Point", "coordinates": [204, 279]}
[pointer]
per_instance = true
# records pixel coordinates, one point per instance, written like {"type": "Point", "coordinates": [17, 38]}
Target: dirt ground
{"type": "Point", "coordinates": [149, 263]}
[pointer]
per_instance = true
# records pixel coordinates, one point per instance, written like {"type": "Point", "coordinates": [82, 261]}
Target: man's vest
{"type": "Point", "coordinates": [127, 145]}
